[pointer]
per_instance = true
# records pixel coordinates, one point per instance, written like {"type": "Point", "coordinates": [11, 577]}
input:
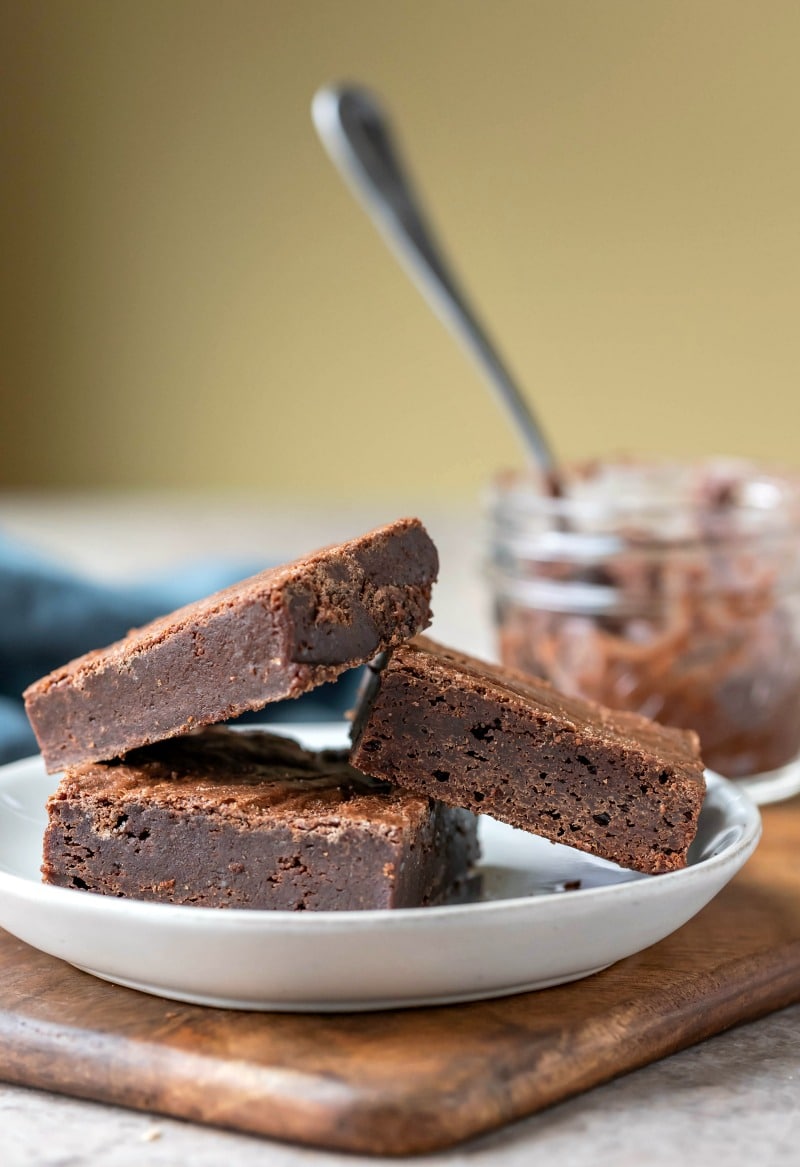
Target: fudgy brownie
{"type": "Point", "coordinates": [275, 635]}
{"type": "Point", "coordinates": [480, 736]}
{"type": "Point", "coordinates": [251, 820]}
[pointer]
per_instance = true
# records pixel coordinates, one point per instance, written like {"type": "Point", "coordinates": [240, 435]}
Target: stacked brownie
{"type": "Point", "coordinates": [275, 635]}
{"type": "Point", "coordinates": [475, 735]}
{"type": "Point", "coordinates": [159, 803]}
{"type": "Point", "coordinates": [154, 806]}
{"type": "Point", "coordinates": [252, 820]}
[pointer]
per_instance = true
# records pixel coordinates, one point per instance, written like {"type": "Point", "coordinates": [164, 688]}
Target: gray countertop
{"type": "Point", "coordinates": [735, 1095]}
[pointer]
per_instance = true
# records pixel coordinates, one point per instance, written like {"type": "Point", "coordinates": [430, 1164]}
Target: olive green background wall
{"type": "Point", "coordinates": [190, 297]}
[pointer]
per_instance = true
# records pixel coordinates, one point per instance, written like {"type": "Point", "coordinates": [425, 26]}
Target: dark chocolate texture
{"type": "Point", "coordinates": [223, 819]}
{"type": "Point", "coordinates": [275, 635]}
{"type": "Point", "coordinates": [475, 735]}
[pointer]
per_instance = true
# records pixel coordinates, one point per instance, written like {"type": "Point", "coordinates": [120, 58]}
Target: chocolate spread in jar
{"type": "Point", "coordinates": [681, 601]}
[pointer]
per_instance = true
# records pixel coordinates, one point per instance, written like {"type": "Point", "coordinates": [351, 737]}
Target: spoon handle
{"type": "Point", "coordinates": [358, 139]}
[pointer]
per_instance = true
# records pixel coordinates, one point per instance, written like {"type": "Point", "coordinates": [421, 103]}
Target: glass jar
{"type": "Point", "coordinates": [671, 590]}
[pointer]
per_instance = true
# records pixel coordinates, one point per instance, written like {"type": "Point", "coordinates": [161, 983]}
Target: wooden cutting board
{"type": "Point", "coordinates": [405, 1082]}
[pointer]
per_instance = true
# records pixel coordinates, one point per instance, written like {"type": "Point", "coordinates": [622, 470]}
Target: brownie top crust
{"type": "Point", "coordinates": [631, 731]}
{"type": "Point", "coordinates": [249, 778]}
{"type": "Point", "coordinates": [274, 635]}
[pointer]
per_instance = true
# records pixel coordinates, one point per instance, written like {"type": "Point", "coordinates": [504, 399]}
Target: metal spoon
{"type": "Point", "coordinates": [356, 134]}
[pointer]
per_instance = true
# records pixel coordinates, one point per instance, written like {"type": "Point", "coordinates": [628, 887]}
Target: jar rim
{"type": "Point", "coordinates": [697, 500]}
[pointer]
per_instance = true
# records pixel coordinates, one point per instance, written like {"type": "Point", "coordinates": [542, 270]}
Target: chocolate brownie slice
{"type": "Point", "coordinates": [251, 820]}
{"type": "Point", "coordinates": [275, 635]}
{"type": "Point", "coordinates": [508, 745]}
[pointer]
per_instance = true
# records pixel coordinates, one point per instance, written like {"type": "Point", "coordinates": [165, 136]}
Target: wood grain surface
{"type": "Point", "coordinates": [411, 1081]}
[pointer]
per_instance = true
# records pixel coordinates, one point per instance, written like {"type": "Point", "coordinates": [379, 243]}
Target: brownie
{"type": "Point", "coordinates": [251, 820]}
{"type": "Point", "coordinates": [275, 635]}
{"type": "Point", "coordinates": [475, 735]}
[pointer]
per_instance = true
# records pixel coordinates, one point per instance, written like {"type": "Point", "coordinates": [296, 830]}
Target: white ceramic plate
{"type": "Point", "coordinates": [527, 932]}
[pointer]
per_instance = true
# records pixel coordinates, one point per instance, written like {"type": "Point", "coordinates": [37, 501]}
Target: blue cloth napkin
{"type": "Point", "coordinates": [49, 615]}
